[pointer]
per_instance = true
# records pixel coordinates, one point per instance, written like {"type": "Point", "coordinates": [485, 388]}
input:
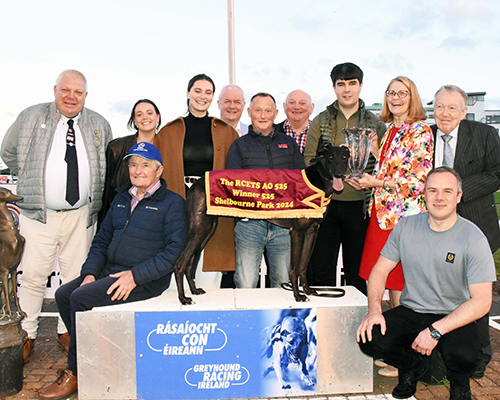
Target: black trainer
{"type": "Point", "coordinates": [460, 390]}
{"type": "Point", "coordinates": [408, 380]}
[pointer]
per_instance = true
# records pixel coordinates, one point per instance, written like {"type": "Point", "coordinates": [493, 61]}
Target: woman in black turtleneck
{"type": "Point", "coordinates": [192, 145]}
{"type": "Point", "coordinates": [198, 151]}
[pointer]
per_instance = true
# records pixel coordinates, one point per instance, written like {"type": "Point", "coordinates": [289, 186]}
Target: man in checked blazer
{"type": "Point", "coordinates": [475, 155]}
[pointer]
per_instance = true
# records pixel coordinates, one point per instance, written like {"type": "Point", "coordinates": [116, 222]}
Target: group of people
{"type": "Point", "coordinates": [131, 189]}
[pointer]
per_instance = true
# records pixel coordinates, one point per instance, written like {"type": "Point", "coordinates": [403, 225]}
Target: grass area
{"type": "Point", "coordinates": [497, 202]}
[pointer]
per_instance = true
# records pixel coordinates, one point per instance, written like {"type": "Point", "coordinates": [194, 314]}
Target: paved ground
{"type": "Point", "coordinates": [48, 357]}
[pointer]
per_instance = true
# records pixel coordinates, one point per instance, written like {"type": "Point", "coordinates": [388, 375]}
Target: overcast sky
{"type": "Point", "coordinates": [150, 49]}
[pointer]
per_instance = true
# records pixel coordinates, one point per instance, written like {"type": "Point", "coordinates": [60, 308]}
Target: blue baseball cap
{"type": "Point", "coordinates": [145, 150]}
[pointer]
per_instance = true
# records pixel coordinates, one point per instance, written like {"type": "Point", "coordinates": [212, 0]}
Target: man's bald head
{"type": "Point", "coordinates": [298, 107]}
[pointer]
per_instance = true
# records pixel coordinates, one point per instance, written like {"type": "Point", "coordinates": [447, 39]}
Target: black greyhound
{"type": "Point", "coordinates": [326, 174]}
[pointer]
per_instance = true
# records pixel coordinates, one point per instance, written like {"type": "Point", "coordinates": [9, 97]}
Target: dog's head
{"type": "Point", "coordinates": [336, 160]}
{"type": "Point", "coordinates": [7, 196]}
{"type": "Point", "coordinates": [294, 336]}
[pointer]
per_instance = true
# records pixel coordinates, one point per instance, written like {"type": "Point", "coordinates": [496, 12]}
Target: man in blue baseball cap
{"type": "Point", "coordinates": [124, 264]}
{"type": "Point", "coordinates": [145, 169]}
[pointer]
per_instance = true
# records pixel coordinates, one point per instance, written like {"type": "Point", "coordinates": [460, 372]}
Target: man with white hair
{"type": "Point", "coordinates": [57, 150]}
{"type": "Point", "coordinates": [475, 155]}
{"type": "Point", "coordinates": [132, 256]}
{"type": "Point", "coordinates": [298, 108]}
{"type": "Point", "coordinates": [231, 104]}
{"type": "Point", "coordinates": [473, 150]}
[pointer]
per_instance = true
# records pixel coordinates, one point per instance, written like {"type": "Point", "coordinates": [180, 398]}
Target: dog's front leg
{"type": "Point", "coordinates": [297, 239]}
{"type": "Point", "coordinates": [191, 273]}
{"type": "Point", "coordinates": [5, 285]}
{"type": "Point", "coordinates": [307, 249]}
{"type": "Point", "coordinates": [179, 270]}
{"type": "Point", "coordinates": [305, 374]}
{"type": "Point", "coordinates": [14, 289]}
{"type": "Point", "coordinates": [280, 362]}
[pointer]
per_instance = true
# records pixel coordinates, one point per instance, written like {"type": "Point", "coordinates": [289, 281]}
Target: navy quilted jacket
{"type": "Point", "coordinates": [254, 150]}
{"type": "Point", "coordinates": [148, 241]}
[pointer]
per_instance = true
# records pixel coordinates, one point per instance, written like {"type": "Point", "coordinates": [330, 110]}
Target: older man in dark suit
{"type": "Point", "coordinates": [473, 150]}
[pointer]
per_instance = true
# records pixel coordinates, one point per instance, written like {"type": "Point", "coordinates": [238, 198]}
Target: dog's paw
{"type": "Point", "coordinates": [198, 291]}
{"type": "Point", "coordinates": [186, 301]}
{"type": "Point", "coordinates": [309, 291]}
{"type": "Point", "coordinates": [301, 297]}
{"type": "Point", "coordinates": [307, 380]}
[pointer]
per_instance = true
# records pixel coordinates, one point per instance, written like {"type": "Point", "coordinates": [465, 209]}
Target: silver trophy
{"type": "Point", "coordinates": [359, 141]}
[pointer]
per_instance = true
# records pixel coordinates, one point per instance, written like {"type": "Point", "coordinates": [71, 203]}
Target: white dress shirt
{"type": "Point", "coordinates": [439, 146]}
{"type": "Point", "coordinates": [56, 168]}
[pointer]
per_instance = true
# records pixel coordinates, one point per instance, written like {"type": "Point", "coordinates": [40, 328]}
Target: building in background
{"type": "Point", "coordinates": [476, 112]}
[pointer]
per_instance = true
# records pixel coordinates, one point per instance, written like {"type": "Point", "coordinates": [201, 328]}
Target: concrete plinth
{"type": "Point", "coordinates": [110, 361]}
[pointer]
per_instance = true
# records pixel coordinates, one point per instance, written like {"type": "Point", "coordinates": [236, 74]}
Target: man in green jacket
{"type": "Point", "coordinates": [345, 222]}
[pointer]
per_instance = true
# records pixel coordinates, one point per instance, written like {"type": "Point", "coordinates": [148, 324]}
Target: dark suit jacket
{"type": "Point", "coordinates": [477, 160]}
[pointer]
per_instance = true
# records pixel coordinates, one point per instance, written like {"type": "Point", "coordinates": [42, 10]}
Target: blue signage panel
{"type": "Point", "coordinates": [225, 354]}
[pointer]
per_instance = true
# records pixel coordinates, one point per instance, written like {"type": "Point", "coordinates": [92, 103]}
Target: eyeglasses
{"type": "Point", "coordinates": [401, 94]}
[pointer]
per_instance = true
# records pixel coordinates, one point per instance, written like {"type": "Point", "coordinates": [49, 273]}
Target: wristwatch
{"type": "Point", "coordinates": [435, 334]}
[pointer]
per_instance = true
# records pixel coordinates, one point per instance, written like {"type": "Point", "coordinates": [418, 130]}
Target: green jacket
{"type": "Point", "coordinates": [324, 127]}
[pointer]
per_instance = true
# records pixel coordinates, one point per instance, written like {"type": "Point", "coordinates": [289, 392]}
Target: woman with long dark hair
{"type": "Point", "coordinates": [190, 146]}
{"type": "Point", "coordinates": [145, 119]}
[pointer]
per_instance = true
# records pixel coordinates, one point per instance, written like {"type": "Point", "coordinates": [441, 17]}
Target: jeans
{"type": "Point", "coordinates": [251, 237]}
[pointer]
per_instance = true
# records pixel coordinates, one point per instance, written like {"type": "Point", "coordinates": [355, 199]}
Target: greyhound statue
{"type": "Point", "coordinates": [11, 251]}
{"type": "Point", "coordinates": [326, 174]}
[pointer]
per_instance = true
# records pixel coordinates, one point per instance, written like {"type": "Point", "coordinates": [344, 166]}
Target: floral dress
{"type": "Point", "coordinates": [406, 158]}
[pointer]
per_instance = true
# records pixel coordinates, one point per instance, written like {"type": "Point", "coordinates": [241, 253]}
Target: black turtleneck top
{"type": "Point", "coordinates": [198, 153]}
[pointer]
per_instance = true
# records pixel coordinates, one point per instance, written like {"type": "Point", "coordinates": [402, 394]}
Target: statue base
{"type": "Point", "coordinates": [12, 338]}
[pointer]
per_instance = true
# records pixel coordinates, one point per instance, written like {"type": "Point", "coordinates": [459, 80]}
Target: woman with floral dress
{"type": "Point", "coordinates": [398, 179]}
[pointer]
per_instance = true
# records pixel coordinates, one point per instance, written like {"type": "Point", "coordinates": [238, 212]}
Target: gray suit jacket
{"type": "Point", "coordinates": [477, 160]}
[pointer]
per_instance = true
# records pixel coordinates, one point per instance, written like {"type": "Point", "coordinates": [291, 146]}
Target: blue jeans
{"type": "Point", "coordinates": [251, 237]}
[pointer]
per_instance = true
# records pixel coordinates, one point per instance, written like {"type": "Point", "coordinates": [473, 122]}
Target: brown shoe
{"type": "Point", "coordinates": [28, 347]}
{"type": "Point", "coordinates": [389, 372]}
{"type": "Point", "coordinates": [380, 364]}
{"type": "Point", "coordinates": [63, 341]}
{"type": "Point", "coordinates": [65, 384]}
